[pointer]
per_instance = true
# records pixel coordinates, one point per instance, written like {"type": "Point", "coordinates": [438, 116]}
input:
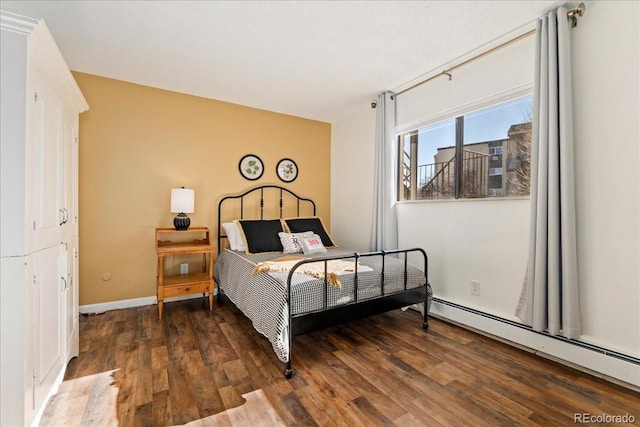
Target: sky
{"type": "Point", "coordinates": [487, 124]}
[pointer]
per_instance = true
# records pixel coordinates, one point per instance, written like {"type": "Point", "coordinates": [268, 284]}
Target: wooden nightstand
{"type": "Point", "coordinates": [194, 241]}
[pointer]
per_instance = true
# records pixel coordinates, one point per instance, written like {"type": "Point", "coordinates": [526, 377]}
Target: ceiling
{"type": "Point", "coordinates": [313, 59]}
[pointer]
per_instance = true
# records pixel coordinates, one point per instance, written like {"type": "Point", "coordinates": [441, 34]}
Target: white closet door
{"type": "Point", "coordinates": [72, 300]}
{"type": "Point", "coordinates": [75, 171]}
{"type": "Point", "coordinates": [49, 282]}
{"type": "Point", "coordinates": [46, 157]}
{"type": "Point", "coordinates": [68, 191]}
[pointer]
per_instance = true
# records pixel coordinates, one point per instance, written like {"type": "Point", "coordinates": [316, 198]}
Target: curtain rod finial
{"type": "Point", "coordinates": [574, 13]}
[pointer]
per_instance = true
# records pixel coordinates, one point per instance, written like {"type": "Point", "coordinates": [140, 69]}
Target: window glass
{"type": "Point", "coordinates": [488, 155]}
{"type": "Point", "coordinates": [427, 154]}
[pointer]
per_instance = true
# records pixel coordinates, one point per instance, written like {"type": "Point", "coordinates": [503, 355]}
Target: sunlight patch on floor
{"type": "Point", "coordinates": [91, 400]}
{"type": "Point", "coordinates": [256, 411]}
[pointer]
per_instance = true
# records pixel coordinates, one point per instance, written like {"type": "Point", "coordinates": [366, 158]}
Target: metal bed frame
{"type": "Point", "coordinates": [328, 316]}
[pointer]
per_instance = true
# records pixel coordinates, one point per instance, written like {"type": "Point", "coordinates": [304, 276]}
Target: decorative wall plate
{"type": "Point", "coordinates": [251, 167]}
{"type": "Point", "coordinates": [287, 170]}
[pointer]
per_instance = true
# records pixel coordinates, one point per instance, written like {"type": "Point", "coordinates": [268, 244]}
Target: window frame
{"type": "Point", "coordinates": [453, 114]}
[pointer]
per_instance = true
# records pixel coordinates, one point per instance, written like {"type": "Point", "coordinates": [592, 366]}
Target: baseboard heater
{"type": "Point", "coordinates": [592, 347]}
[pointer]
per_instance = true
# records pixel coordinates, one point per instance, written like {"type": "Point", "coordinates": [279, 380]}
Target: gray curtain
{"type": "Point", "coordinates": [384, 227]}
{"type": "Point", "coordinates": [549, 300]}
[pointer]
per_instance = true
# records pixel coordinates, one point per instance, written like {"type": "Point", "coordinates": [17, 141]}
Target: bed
{"type": "Point", "coordinates": [278, 265]}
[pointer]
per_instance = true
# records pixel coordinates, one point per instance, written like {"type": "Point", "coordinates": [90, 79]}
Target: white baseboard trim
{"type": "Point", "coordinates": [131, 303]}
{"type": "Point", "coordinates": [596, 363]}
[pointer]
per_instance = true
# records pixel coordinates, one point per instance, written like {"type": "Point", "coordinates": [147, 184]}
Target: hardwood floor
{"type": "Point", "coordinates": [212, 368]}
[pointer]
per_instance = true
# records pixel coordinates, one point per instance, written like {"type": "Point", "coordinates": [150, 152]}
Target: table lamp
{"type": "Point", "coordinates": [182, 202]}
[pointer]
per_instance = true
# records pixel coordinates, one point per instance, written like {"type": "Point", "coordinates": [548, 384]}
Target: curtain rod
{"type": "Point", "coordinates": [572, 15]}
{"type": "Point", "coordinates": [447, 72]}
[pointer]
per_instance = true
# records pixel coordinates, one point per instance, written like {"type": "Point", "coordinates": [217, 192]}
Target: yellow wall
{"type": "Point", "coordinates": [137, 142]}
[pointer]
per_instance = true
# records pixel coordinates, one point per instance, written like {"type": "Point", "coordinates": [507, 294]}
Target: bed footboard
{"type": "Point", "coordinates": [300, 323]}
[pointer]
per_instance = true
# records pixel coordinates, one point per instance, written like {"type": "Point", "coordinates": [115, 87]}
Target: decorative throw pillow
{"type": "Point", "coordinates": [291, 241]}
{"type": "Point", "coordinates": [261, 235]}
{"type": "Point", "coordinates": [299, 225]}
{"type": "Point", "coordinates": [312, 245]}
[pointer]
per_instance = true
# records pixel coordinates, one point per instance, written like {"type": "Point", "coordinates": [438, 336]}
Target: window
{"type": "Point", "coordinates": [485, 153]}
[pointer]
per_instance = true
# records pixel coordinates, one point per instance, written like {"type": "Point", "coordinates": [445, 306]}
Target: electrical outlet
{"type": "Point", "coordinates": [184, 268]}
{"type": "Point", "coordinates": [475, 287]}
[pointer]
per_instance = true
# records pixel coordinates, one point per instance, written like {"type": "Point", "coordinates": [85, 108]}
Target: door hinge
{"type": "Point", "coordinates": [34, 225]}
{"type": "Point", "coordinates": [35, 97]}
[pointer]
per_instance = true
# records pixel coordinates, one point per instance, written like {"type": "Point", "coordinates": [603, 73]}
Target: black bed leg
{"type": "Point", "coordinates": [288, 372]}
{"type": "Point", "coordinates": [425, 319]}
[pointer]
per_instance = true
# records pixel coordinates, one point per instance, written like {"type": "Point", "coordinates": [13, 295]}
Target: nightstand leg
{"type": "Point", "coordinates": [212, 283]}
{"type": "Point", "coordinates": [160, 284]}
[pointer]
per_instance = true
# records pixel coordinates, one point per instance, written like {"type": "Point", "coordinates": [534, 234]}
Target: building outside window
{"type": "Point", "coordinates": [485, 153]}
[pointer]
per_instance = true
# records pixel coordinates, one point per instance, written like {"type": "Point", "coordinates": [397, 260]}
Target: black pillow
{"type": "Point", "coordinates": [261, 235]}
{"type": "Point", "coordinates": [300, 225]}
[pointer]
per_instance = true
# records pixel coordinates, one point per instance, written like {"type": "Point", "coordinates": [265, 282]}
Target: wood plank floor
{"type": "Point", "coordinates": [211, 368]}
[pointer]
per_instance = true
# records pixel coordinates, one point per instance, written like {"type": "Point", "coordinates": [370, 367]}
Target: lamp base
{"type": "Point", "coordinates": [181, 221]}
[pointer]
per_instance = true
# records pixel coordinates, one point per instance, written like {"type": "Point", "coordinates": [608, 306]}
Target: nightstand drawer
{"type": "Point", "coordinates": [184, 289]}
{"type": "Point", "coordinates": [186, 279]}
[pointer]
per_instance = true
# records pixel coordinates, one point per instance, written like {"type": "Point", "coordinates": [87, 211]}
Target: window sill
{"type": "Point", "coordinates": [479, 199]}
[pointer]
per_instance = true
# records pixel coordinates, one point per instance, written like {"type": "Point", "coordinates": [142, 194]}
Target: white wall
{"type": "Point", "coordinates": [352, 157]}
{"type": "Point", "coordinates": [470, 240]}
{"type": "Point", "coordinates": [607, 134]}
{"type": "Point", "coordinates": [486, 240]}
{"type": "Point", "coordinates": [484, 81]}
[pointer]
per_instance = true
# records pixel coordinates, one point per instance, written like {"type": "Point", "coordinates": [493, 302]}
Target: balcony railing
{"type": "Point", "coordinates": [437, 180]}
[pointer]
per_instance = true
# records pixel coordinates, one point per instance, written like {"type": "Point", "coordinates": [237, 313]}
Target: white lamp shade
{"type": "Point", "coordinates": [182, 200]}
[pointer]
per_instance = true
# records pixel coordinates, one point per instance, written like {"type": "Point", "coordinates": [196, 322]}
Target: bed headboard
{"type": "Point", "coordinates": [254, 203]}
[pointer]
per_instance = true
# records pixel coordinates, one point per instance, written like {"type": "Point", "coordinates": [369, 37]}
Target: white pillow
{"type": "Point", "coordinates": [312, 245]}
{"type": "Point", "coordinates": [238, 236]}
{"type": "Point", "coordinates": [291, 241]}
{"type": "Point", "coordinates": [236, 243]}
